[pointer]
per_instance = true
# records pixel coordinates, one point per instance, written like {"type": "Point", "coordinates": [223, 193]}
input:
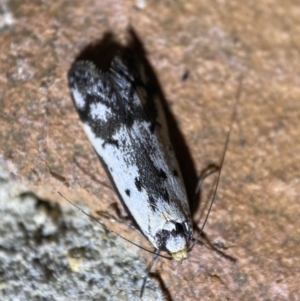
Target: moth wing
{"type": "Point", "coordinates": [126, 125]}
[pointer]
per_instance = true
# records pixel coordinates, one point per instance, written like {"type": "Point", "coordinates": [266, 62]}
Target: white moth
{"type": "Point", "coordinates": [126, 125]}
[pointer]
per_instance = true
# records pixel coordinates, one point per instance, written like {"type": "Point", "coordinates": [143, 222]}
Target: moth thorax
{"type": "Point", "coordinates": [174, 238]}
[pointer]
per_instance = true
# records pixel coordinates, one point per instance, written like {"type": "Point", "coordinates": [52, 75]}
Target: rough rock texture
{"type": "Point", "coordinates": [49, 252]}
{"type": "Point", "coordinates": [255, 217]}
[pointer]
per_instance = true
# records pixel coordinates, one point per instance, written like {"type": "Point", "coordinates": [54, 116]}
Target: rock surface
{"type": "Point", "coordinates": [198, 50]}
{"type": "Point", "coordinates": [50, 252]}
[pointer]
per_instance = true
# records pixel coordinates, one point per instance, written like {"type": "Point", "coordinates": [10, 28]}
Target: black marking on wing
{"type": "Point", "coordinates": [162, 174]}
{"type": "Point", "coordinates": [165, 195]}
{"type": "Point", "coordinates": [138, 184]}
{"type": "Point", "coordinates": [152, 203]}
{"type": "Point", "coordinates": [163, 236]}
{"type": "Point", "coordinates": [116, 89]}
{"type": "Point", "coordinates": [127, 191]}
{"type": "Point", "coordinates": [112, 141]}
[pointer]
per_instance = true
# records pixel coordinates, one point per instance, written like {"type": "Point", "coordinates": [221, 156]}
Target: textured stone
{"type": "Point", "coordinates": [50, 252]}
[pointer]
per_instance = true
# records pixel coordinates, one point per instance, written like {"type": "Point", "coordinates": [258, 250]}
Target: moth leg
{"type": "Point", "coordinates": [154, 258]}
{"type": "Point", "coordinates": [126, 220]}
{"type": "Point", "coordinates": [91, 176]}
{"type": "Point", "coordinates": [209, 170]}
{"type": "Point", "coordinates": [213, 248]}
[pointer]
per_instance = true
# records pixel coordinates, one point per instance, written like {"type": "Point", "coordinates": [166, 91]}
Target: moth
{"type": "Point", "coordinates": [126, 125]}
{"type": "Point", "coordinates": [125, 122]}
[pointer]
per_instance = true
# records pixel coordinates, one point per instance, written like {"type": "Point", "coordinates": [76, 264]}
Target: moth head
{"type": "Point", "coordinates": [180, 255]}
{"type": "Point", "coordinates": [175, 238]}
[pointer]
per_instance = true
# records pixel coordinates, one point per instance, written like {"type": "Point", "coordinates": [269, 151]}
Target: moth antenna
{"type": "Point", "coordinates": [156, 255]}
{"type": "Point", "coordinates": [110, 230]}
{"type": "Point", "coordinates": [91, 176]}
{"type": "Point", "coordinates": [233, 117]}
